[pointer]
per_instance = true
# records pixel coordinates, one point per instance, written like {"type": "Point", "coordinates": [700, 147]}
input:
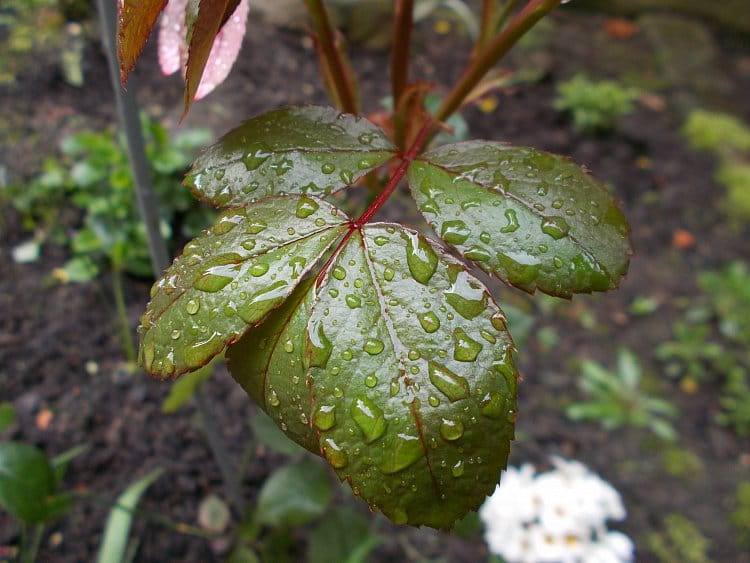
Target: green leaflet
{"type": "Point", "coordinates": [229, 278]}
{"type": "Point", "coordinates": [310, 149]}
{"type": "Point", "coordinates": [399, 371]}
{"type": "Point", "coordinates": [533, 219]}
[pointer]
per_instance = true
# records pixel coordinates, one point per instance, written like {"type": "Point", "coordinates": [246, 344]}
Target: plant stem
{"type": "Point", "coordinates": [128, 343]}
{"type": "Point", "coordinates": [127, 113]}
{"type": "Point", "coordinates": [220, 453]}
{"type": "Point", "coordinates": [498, 47]}
{"type": "Point", "coordinates": [504, 15]}
{"type": "Point", "coordinates": [402, 26]}
{"type": "Point", "coordinates": [392, 184]}
{"type": "Point", "coordinates": [487, 25]}
{"type": "Point", "coordinates": [160, 519]}
{"type": "Point", "coordinates": [345, 90]}
{"type": "Point", "coordinates": [36, 540]}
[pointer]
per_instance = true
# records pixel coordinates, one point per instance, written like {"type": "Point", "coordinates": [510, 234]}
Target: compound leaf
{"type": "Point", "coordinates": [533, 219]}
{"type": "Point", "coordinates": [311, 149]}
{"type": "Point", "coordinates": [402, 377]}
{"type": "Point", "coordinates": [137, 18]}
{"type": "Point", "coordinates": [229, 278]}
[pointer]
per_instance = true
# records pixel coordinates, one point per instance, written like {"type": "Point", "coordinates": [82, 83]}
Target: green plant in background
{"type": "Point", "coordinates": [700, 354]}
{"type": "Point", "coordinates": [681, 540]}
{"type": "Point", "coordinates": [367, 343]}
{"type": "Point", "coordinates": [618, 399]}
{"type": "Point", "coordinates": [594, 106]}
{"type": "Point", "coordinates": [728, 138]}
{"type": "Point", "coordinates": [94, 175]}
{"type": "Point", "coordinates": [30, 491]}
{"type": "Point", "coordinates": [740, 517]}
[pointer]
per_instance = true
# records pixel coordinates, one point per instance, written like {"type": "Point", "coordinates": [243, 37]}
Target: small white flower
{"type": "Point", "coordinates": [558, 517]}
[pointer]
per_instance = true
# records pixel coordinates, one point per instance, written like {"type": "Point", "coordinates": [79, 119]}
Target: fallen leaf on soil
{"type": "Point", "coordinates": [652, 101]}
{"type": "Point", "coordinates": [619, 28]}
{"type": "Point", "coordinates": [682, 239]}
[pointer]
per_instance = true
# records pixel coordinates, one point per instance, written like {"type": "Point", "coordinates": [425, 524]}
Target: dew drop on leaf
{"type": "Point", "coordinates": [556, 227]}
{"type": "Point", "coordinates": [371, 380]}
{"type": "Point", "coordinates": [334, 454]}
{"type": "Point", "coordinates": [429, 321]}
{"type": "Point", "coordinates": [339, 273]}
{"type": "Point", "coordinates": [512, 225]}
{"type": "Point", "coordinates": [421, 258]}
{"type": "Point", "coordinates": [258, 269]}
{"type": "Point", "coordinates": [306, 207]}
{"type": "Point", "coordinates": [256, 226]}
{"type": "Point", "coordinates": [454, 232]}
{"type": "Point", "coordinates": [353, 301]}
{"type": "Point", "coordinates": [448, 383]}
{"type": "Point", "coordinates": [327, 168]}
{"type": "Point", "coordinates": [465, 348]}
{"type": "Point", "coordinates": [325, 417]}
{"type": "Point", "coordinates": [199, 353]}
{"type": "Point", "coordinates": [493, 405]}
{"type": "Point", "coordinates": [451, 429]}
{"type": "Point", "coordinates": [373, 346]}
{"type": "Point", "coordinates": [388, 273]}
{"type": "Point", "coordinates": [458, 469]}
{"type": "Point", "coordinates": [369, 418]}
{"type": "Point", "coordinates": [192, 306]}
{"type": "Point", "coordinates": [402, 452]}
{"type": "Point", "coordinates": [467, 298]}
{"type": "Point", "coordinates": [320, 348]}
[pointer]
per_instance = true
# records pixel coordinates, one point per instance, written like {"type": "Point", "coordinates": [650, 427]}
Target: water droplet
{"type": "Point", "coordinates": [369, 417]}
{"type": "Point", "coordinates": [212, 279]}
{"type": "Point", "coordinates": [388, 273]}
{"type": "Point", "coordinates": [448, 383]}
{"type": "Point", "coordinates": [199, 353]}
{"type": "Point", "coordinates": [366, 138]}
{"type": "Point", "coordinates": [327, 168]}
{"type": "Point", "coordinates": [353, 301]}
{"type": "Point", "coordinates": [477, 254]}
{"type": "Point", "coordinates": [219, 174]}
{"type": "Point", "coordinates": [512, 218]}
{"type": "Point", "coordinates": [557, 204]}
{"type": "Point", "coordinates": [334, 454]}
{"type": "Point", "coordinates": [381, 240]}
{"type": "Point", "coordinates": [248, 244]}
{"type": "Point", "coordinates": [257, 305]}
{"type": "Point", "coordinates": [228, 221]}
{"type": "Point", "coordinates": [403, 452]}
{"type": "Point", "coordinates": [485, 237]}
{"type": "Point", "coordinates": [433, 400]}
{"type": "Point", "coordinates": [454, 232]}
{"type": "Point", "coordinates": [339, 273]}
{"type": "Point", "coordinates": [394, 388]}
{"type": "Point", "coordinates": [192, 306]}
{"type": "Point", "coordinates": [338, 392]}
{"type": "Point", "coordinates": [320, 348]}
{"type": "Point", "coordinates": [175, 334]}
{"type": "Point", "coordinates": [333, 292]}
{"type": "Point", "coordinates": [493, 405]}
{"type": "Point", "coordinates": [421, 258]}
{"type": "Point", "coordinates": [256, 226]}
{"type": "Point", "coordinates": [273, 399]}
{"type": "Point", "coordinates": [373, 346]}
{"type": "Point", "coordinates": [306, 207]}
{"type": "Point", "coordinates": [451, 429]}
{"type": "Point", "coordinates": [289, 346]}
{"type": "Point", "coordinates": [297, 264]}
{"type": "Point", "coordinates": [258, 269]}
{"type": "Point", "coordinates": [429, 321]}
{"type": "Point", "coordinates": [414, 355]}
{"type": "Point", "coordinates": [543, 248]}
{"type": "Point", "coordinates": [465, 348]}
{"type": "Point", "coordinates": [371, 380]}
{"type": "Point", "coordinates": [488, 336]}
{"type": "Point", "coordinates": [466, 296]}
{"type": "Point", "coordinates": [282, 166]}
{"type": "Point", "coordinates": [498, 321]}
{"type": "Point", "coordinates": [556, 227]}
{"type": "Point", "coordinates": [325, 417]}
{"type": "Point", "coordinates": [347, 354]}
{"type": "Point", "coordinates": [458, 469]}
{"type": "Point", "coordinates": [251, 187]}
{"type": "Point", "coordinates": [557, 261]}
{"type": "Point", "coordinates": [365, 163]}
{"type": "Point", "coordinates": [256, 156]}
{"type": "Point", "coordinates": [346, 176]}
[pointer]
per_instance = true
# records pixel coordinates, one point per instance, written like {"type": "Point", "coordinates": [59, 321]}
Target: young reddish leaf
{"type": "Point", "coordinates": [310, 149]}
{"type": "Point", "coordinates": [533, 219]}
{"type": "Point", "coordinates": [229, 278]}
{"type": "Point", "coordinates": [398, 368]}
{"type": "Point", "coordinates": [172, 37]}
{"type": "Point", "coordinates": [211, 15]}
{"type": "Point", "coordinates": [137, 18]}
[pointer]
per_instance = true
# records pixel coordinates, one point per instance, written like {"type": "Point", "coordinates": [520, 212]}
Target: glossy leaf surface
{"type": "Point", "coordinates": [314, 150]}
{"type": "Point", "coordinates": [229, 278]}
{"type": "Point", "coordinates": [533, 219]}
{"type": "Point", "coordinates": [137, 18]}
{"type": "Point", "coordinates": [400, 373]}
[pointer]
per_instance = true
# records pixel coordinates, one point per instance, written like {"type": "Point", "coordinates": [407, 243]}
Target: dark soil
{"type": "Point", "coordinates": [50, 334]}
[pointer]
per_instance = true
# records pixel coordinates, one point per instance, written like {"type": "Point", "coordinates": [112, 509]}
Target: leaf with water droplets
{"type": "Point", "coordinates": [311, 149]}
{"type": "Point", "coordinates": [394, 378]}
{"type": "Point", "coordinates": [229, 278]}
{"type": "Point", "coordinates": [535, 220]}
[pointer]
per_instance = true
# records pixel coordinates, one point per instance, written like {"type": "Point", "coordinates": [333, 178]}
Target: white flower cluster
{"type": "Point", "coordinates": [557, 516]}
